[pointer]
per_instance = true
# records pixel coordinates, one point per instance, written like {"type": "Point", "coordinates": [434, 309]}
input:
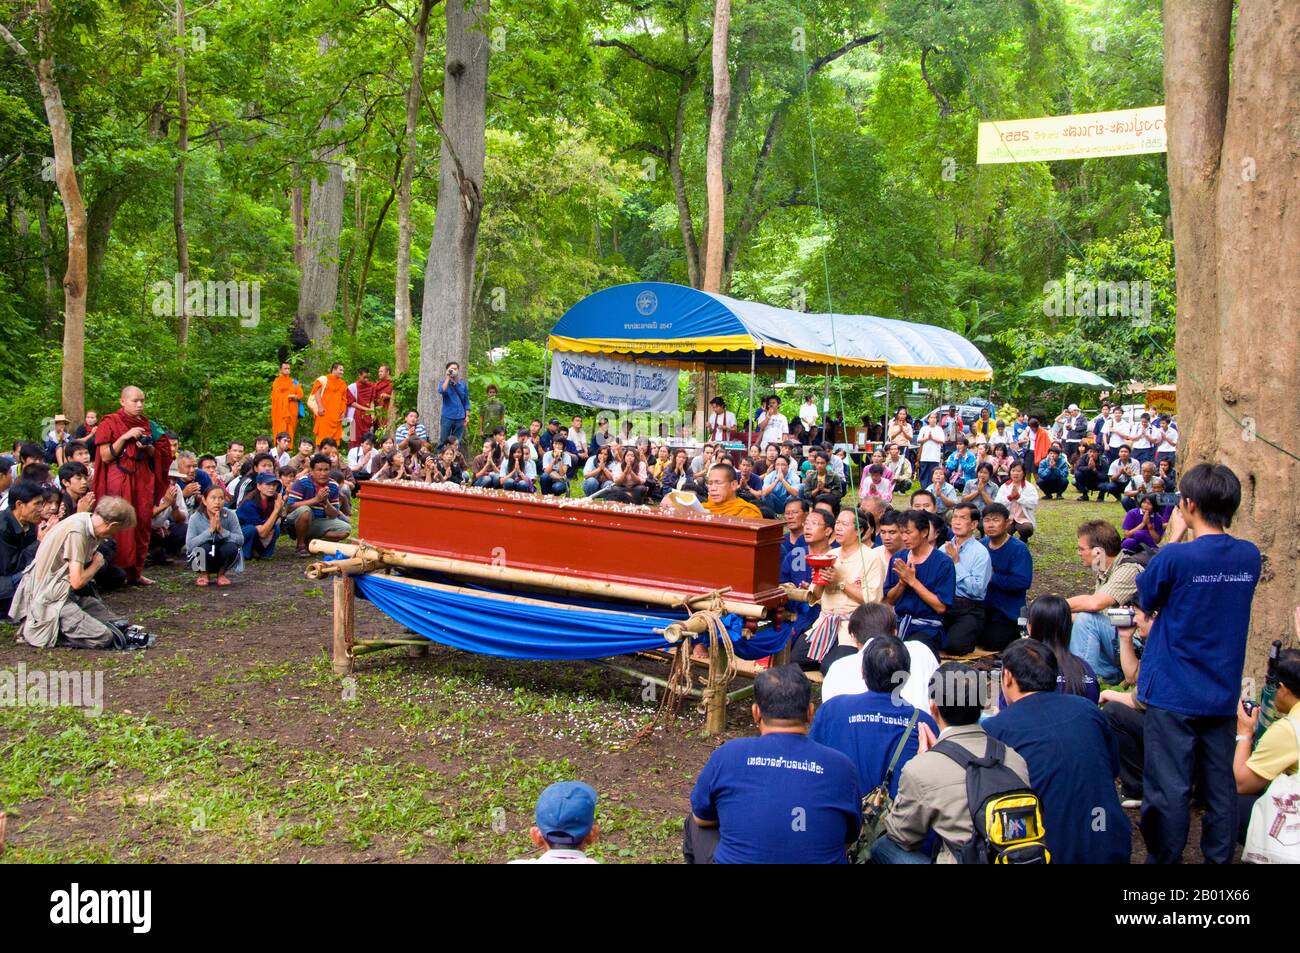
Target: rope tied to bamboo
{"type": "Point", "coordinates": [709, 620]}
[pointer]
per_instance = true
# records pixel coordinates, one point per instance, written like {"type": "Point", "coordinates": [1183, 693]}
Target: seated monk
{"type": "Point", "coordinates": [722, 484]}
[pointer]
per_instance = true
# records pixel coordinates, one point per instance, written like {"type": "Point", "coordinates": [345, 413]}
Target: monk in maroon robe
{"type": "Point", "coordinates": [135, 471]}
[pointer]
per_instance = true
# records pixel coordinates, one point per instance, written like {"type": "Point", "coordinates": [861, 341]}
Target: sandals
{"type": "Point", "coordinates": [201, 580]}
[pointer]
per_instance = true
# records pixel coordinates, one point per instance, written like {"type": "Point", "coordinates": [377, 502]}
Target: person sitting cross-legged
{"type": "Point", "coordinates": [214, 541]}
{"type": "Point", "coordinates": [313, 507]}
{"type": "Point", "coordinates": [932, 789]}
{"type": "Point", "coordinates": [780, 798]}
{"type": "Point", "coordinates": [1072, 757]}
{"type": "Point", "coordinates": [259, 517]}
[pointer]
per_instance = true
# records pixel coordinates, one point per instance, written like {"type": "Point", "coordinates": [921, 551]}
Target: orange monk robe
{"type": "Point", "coordinates": [284, 411]}
{"type": "Point", "coordinates": [332, 397]}
{"type": "Point", "coordinates": [734, 507]}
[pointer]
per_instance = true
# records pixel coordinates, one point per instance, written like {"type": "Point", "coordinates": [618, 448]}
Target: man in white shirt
{"type": "Point", "coordinates": [722, 422]}
{"type": "Point", "coordinates": [565, 824]}
{"type": "Point", "coordinates": [6, 480]}
{"type": "Point", "coordinates": [1144, 451]}
{"type": "Point", "coordinates": [1115, 433]}
{"type": "Point", "coordinates": [578, 437]}
{"type": "Point", "coordinates": [1164, 437]}
{"type": "Point", "coordinates": [772, 423]}
{"type": "Point", "coordinates": [844, 677]}
{"type": "Point", "coordinates": [1120, 474]}
{"type": "Point", "coordinates": [808, 414]}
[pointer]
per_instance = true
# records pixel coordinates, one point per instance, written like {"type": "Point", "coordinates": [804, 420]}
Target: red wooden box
{"type": "Point", "coordinates": [636, 545]}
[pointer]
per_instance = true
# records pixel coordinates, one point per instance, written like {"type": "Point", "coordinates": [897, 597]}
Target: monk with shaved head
{"type": "Point", "coordinates": [133, 466]}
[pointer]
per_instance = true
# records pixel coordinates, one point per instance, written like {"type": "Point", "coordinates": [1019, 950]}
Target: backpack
{"type": "Point", "coordinates": [877, 802]}
{"type": "Point", "coordinates": [1007, 816]}
{"type": "Point", "coordinates": [1274, 833]}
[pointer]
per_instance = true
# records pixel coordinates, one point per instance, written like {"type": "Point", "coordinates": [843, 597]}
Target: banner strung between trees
{"type": "Point", "coordinates": [592, 381]}
{"type": "Point", "coordinates": [1124, 132]}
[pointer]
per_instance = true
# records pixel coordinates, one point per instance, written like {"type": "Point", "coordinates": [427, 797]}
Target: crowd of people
{"type": "Point", "coordinates": [1050, 720]}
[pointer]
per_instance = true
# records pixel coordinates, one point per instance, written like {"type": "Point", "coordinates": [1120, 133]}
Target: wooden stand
{"type": "Point", "coordinates": [345, 597]}
{"type": "Point", "coordinates": [346, 647]}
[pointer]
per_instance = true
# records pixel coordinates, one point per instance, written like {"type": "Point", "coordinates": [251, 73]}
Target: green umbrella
{"type": "Point", "coordinates": [1061, 374]}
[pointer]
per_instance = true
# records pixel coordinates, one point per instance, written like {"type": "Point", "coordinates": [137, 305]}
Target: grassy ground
{"type": "Point", "coordinates": [231, 740]}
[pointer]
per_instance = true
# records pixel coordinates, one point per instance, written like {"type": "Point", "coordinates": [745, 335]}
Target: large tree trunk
{"type": "Point", "coordinates": [715, 232]}
{"type": "Point", "coordinates": [449, 276]}
{"type": "Point", "coordinates": [318, 287]}
{"type": "Point", "coordinates": [178, 198]}
{"type": "Point", "coordinates": [402, 281]}
{"type": "Point", "coordinates": [74, 211]}
{"type": "Point", "coordinates": [1235, 194]}
{"type": "Point", "coordinates": [299, 220]}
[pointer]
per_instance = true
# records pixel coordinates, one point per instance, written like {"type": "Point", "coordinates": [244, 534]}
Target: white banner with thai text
{"type": "Point", "coordinates": [1123, 132]}
{"type": "Point", "coordinates": [593, 381]}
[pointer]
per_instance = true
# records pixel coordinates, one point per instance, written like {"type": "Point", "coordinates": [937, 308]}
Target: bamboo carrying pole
{"type": "Point", "coordinates": [545, 580]}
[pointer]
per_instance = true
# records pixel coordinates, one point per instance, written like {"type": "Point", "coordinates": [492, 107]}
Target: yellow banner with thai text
{"type": "Point", "coordinates": [1123, 132]}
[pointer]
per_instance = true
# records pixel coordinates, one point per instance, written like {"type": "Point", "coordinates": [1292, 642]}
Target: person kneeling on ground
{"type": "Point", "coordinates": [780, 798]}
{"type": "Point", "coordinates": [932, 790]}
{"type": "Point", "coordinates": [1093, 636]}
{"type": "Point", "coordinates": [53, 604]}
{"type": "Point", "coordinates": [565, 824]}
{"type": "Point", "coordinates": [313, 503]}
{"type": "Point", "coordinates": [214, 540]}
{"type": "Point", "coordinates": [259, 517]}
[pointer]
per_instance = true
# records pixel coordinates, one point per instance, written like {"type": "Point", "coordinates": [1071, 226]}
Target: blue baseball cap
{"type": "Point", "coordinates": [566, 812]}
{"type": "Point", "coordinates": [267, 478]}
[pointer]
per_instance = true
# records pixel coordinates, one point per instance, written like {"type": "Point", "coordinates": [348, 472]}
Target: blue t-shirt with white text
{"type": "Point", "coordinates": [866, 729]}
{"type": "Point", "coordinates": [779, 799]}
{"type": "Point", "coordinates": [1202, 593]}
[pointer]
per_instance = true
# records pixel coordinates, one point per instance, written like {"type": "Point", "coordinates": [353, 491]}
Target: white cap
{"type": "Point", "coordinates": [1074, 407]}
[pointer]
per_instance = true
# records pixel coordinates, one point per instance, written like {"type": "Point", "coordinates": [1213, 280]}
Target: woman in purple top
{"type": "Point", "coordinates": [1142, 526]}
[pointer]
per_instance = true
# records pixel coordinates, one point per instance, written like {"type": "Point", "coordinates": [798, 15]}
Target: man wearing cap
{"type": "Point", "coordinates": [565, 824]}
{"type": "Point", "coordinates": [56, 440]}
{"type": "Point", "coordinates": [259, 517]}
{"type": "Point", "coordinates": [1074, 427]}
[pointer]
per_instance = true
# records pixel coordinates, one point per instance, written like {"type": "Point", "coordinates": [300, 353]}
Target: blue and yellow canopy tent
{"type": "Point", "coordinates": [683, 327]}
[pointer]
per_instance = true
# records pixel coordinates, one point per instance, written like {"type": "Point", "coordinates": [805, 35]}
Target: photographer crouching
{"type": "Point", "coordinates": [55, 604]}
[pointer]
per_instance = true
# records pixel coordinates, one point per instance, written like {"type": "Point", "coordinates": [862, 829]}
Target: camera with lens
{"type": "Point", "coordinates": [145, 441]}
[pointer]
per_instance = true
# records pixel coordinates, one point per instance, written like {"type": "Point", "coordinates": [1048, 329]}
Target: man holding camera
{"type": "Point", "coordinates": [455, 404]}
{"type": "Point", "coordinates": [134, 467]}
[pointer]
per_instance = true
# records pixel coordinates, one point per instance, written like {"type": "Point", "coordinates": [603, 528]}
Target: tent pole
{"type": "Point", "coordinates": [889, 408]}
{"type": "Point", "coordinates": [546, 376]}
{"type": "Point", "coordinates": [826, 400]}
{"type": "Point", "coordinates": [749, 419]}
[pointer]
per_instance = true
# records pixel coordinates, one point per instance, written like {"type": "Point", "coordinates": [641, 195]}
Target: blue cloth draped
{"type": "Point", "coordinates": [564, 628]}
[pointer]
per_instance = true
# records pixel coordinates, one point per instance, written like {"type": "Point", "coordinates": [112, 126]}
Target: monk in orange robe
{"type": "Point", "coordinates": [330, 399]}
{"type": "Point", "coordinates": [286, 398]}
{"type": "Point", "coordinates": [722, 484]}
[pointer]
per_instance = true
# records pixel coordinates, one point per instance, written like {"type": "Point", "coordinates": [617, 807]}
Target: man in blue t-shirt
{"type": "Point", "coordinates": [1013, 573]}
{"type": "Point", "coordinates": [780, 798]}
{"type": "Point", "coordinates": [1200, 593]}
{"type": "Point", "coordinates": [867, 727]}
{"type": "Point", "coordinates": [455, 404]}
{"type": "Point", "coordinates": [921, 583]}
{"type": "Point", "coordinates": [1072, 756]}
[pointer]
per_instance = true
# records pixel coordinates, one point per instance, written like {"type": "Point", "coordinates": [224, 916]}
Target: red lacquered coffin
{"type": "Point", "coordinates": [631, 545]}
